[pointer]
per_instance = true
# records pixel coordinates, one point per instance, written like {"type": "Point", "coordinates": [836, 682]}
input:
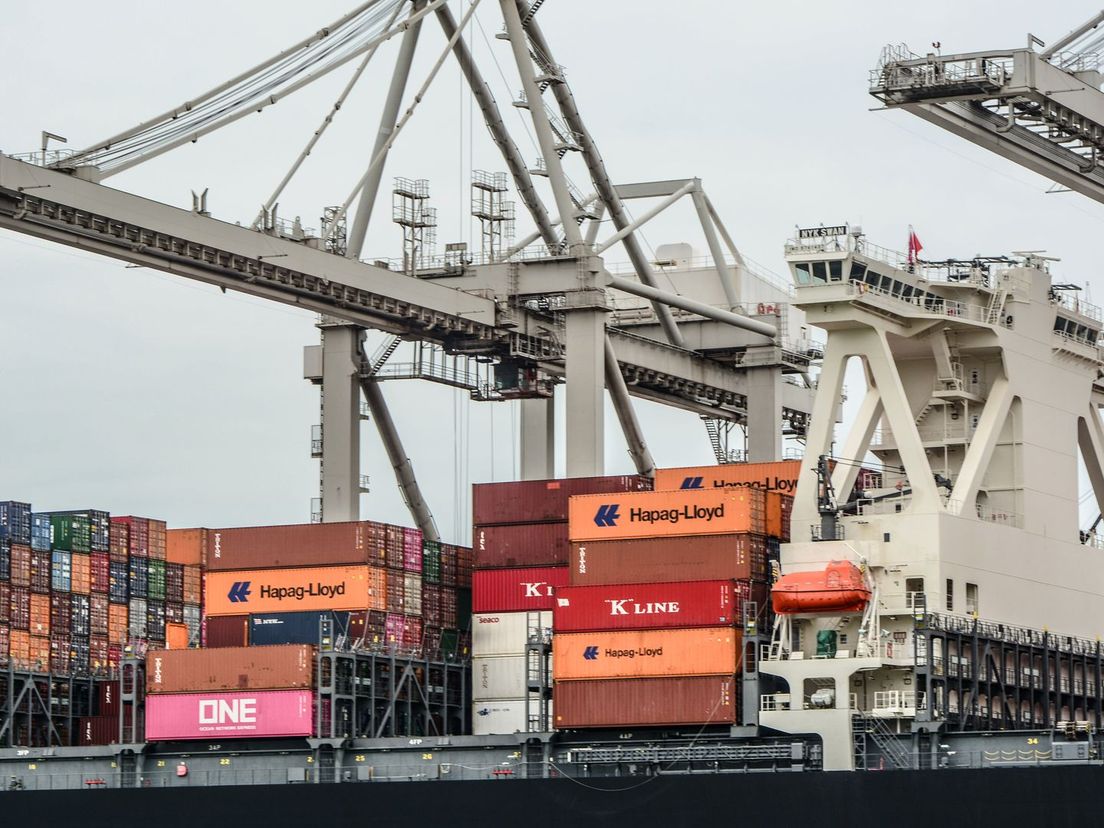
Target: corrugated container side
{"type": "Point", "coordinates": [504, 716]}
{"type": "Point", "coordinates": [5, 560]}
{"type": "Point", "coordinates": [98, 730]}
{"type": "Point", "coordinates": [542, 501]}
{"type": "Point", "coordinates": [524, 544]}
{"type": "Point", "coordinates": [226, 631]}
{"type": "Point", "coordinates": [40, 614]}
{"type": "Point", "coordinates": [80, 611]}
{"type": "Point", "coordinates": [119, 541]}
{"type": "Point", "coordinates": [692, 700]}
{"type": "Point", "coordinates": [40, 572]}
{"type": "Point", "coordinates": [780, 476]}
{"type": "Point", "coordinates": [15, 521]}
{"type": "Point", "coordinates": [396, 588]}
{"type": "Point", "coordinates": [118, 623]}
{"type": "Point", "coordinates": [99, 579]}
{"type": "Point", "coordinates": [646, 606]}
{"type": "Point", "coordinates": [667, 514]}
{"type": "Point", "coordinates": [61, 570]}
{"type": "Point", "coordinates": [294, 590]}
{"type": "Point", "coordinates": [240, 668]}
{"type": "Point", "coordinates": [42, 533]}
{"type": "Point", "coordinates": [505, 633]}
{"type": "Point", "coordinates": [516, 590]}
{"type": "Point", "coordinates": [186, 546]}
{"type": "Point", "coordinates": [61, 616]}
{"type": "Point", "coordinates": [304, 544]}
{"type": "Point", "coordinates": [157, 542]}
{"type": "Point", "coordinates": [234, 715]}
{"type": "Point", "coordinates": [499, 677]}
{"type": "Point", "coordinates": [137, 615]}
{"type": "Point", "coordinates": [21, 565]}
{"type": "Point", "coordinates": [5, 604]}
{"type": "Point", "coordinates": [293, 627]}
{"type": "Point", "coordinates": [646, 653]}
{"type": "Point", "coordinates": [82, 573]}
{"type": "Point", "coordinates": [137, 534]}
{"type": "Point", "coordinates": [661, 560]}
{"type": "Point", "coordinates": [119, 582]}
{"type": "Point", "coordinates": [412, 594]}
{"type": "Point", "coordinates": [20, 608]}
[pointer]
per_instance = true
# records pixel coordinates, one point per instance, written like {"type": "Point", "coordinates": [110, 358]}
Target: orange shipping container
{"type": "Point", "coordinates": [176, 636]}
{"type": "Point", "coordinates": [777, 515]}
{"type": "Point", "coordinates": [82, 574]}
{"type": "Point", "coordinates": [117, 617]}
{"type": "Point", "coordinates": [39, 655]}
{"type": "Point", "coordinates": [20, 647]}
{"type": "Point", "coordinates": [645, 653]}
{"type": "Point", "coordinates": [40, 615]}
{"type": "Point", "coordinates": [667, 514]}
{"type": "Point", "coordinates": [186, 546]}
{"type": "Point", "coordinates": [283, 667]}
{"type": "Point", "coordinates": [295, 590]}
{"type": "Point", "coordinates": [780, 476]}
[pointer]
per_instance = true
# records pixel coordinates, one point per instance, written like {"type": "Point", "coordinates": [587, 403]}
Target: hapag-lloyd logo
{"type": "Point", "coordinates": [608, 514]}
{"type": "Point", "coordinates": [771, 484]}
{"type": "Point", "coordinates": [298, 593]}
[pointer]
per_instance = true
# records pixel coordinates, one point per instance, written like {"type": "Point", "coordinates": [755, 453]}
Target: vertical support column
{"type": "Point", "coordinates": [586, 383]}
{"type": "Point", "coordinates": [715, 250]}
{"type": "Point", "coordinates": [764, 414]}
{"type": "Point", "coordinates": [538, 439]}
{"type": "Point", "coordinates": [626, 414]}
{"type": "Point", "coordinates": [340, 423]}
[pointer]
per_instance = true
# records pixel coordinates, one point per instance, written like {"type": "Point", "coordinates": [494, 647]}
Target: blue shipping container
{"type": "Point", "coordinates": [118, 590]}
{"type": "Point", "coordinates": [15, 521]}
{"type": "Point", "coordinates": [61, 571]}
{"type": "Point", "coordinates": [293, 627]}
{"type": "Point", "coordinates": [5, 560]}
{"type": "Point", "coordinates": [42, 533]}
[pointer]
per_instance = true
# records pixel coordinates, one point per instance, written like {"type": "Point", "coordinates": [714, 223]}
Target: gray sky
{"type": "Point", "coordinates": [138, 392]}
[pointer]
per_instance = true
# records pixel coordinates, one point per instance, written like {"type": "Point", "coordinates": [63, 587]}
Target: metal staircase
{"type": "Point", "coordinates": [866, 729]}
{"type": "Point", "coordinates": [382, 354]}
{"type": "Point", "coordinates": [719, 431]}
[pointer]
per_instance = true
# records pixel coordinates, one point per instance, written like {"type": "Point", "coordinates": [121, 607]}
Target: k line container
{"type": "Point", "coordinates": [780, 476]}
{"type": "Point", "coordinates": [295, 590]}
{"type": "Point", "coordinates": [541, 501]}
{"type": "Point", "coordinates": [230, 715]}
{"type": "Point", "coordinates": [646, 606]}
{"type": "Point", "coordinates": [230, 668]}
{"type": "Point", "coordinates": [692, 700]}
{"type": "Point", "coordinates": [303, 544]}
{"type": "Point", "coordinates": [667, 514]}
{"type": "Point", "coordinates": [522, 544]}
{"type": "Point", "coordinates": [505, 633]}
{"type": "Point", "coordinates": [659, 560]}
{"type": "Point", "coordinates": [517, 590]}
{"type": "Point", "coordinates": [646, 653]}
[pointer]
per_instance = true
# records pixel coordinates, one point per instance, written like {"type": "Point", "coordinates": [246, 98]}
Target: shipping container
{"type": "Point", "coordinates": [522, 544]}
{"type": "Point", "coordinates": [137, 617]}
{"type": "Point", "coordinates": [137, 532]}
{"type": "Point", "coordinates": [431, 562]}
{"type": "Point", "coordinates": [19, 608]}
{"type": "Point", "coordinates": [412, 550]}
{"type": "Point", "coordinates": [60, 646]}
{"type": "Point", "coordinates": [234, 715]}
{"type": "Point", "coordinates": [646, 606]}
{"type": "Point", "coordinates": [303, 544]}
{"type": "Point", "coordinates": [138, 577]}
{"type": "Point", "coordinates": [504, 716]}
{"type": "Point", "coordinates": [155, 620]}
{"type": "Point", "coordinates": [176, 636]}
{"type": "Point", "coordinates": [193, 619]}
{"type": "Point", "coordinates": [431, 604]}
{"type": "Point", "coordinates": [82, 572]}
{"type": "Point", "coordinates": [80, 615]}
{"type": "Point", "coordinates": [98, 730]}
{"type": "Point", "coordinates": [40, 614]}
{"type": "Point", "coordinates": [295, 590]}
{"type": "Point", "coordinates": [157, 542]}
{"type": "Point", "coordinates": [412, 594]}
{"type": "Point", "coordinates": [61, 570]}
{"type": "Point", "coordinates": [118, 623]}
{"type": "Point", "coordinates": [661, 560]}
{"type": "Point", "coordinates": [645, 702]}
{"type": "Point", "coordinates": [242, 668]}
{"type": "Point", "coordinates": [72, 532]}
{"type": "Point", "coordinates": [293, 627]}
{"type": "Point", "coordinates": [119, 582]}
{"type": "Point", "coordinates": [516, 590]}
{"type": "Point", "coordinates": [5, 560]}
{"type": "Point", "coordinates": [119, 541]}
{"type": "Point", "coordinates": [499, 677]}
{"type": "Point", "coordinates": [61, 613]}
{"type": "Point", "coordinates": [667, 514]}
{"type": "Point", "coordinates": [186, 546]}
{"type": "Point", "coordinates": [15, 521]}
{"type": "Point", "coordinates": [412, 634]}
{"type": "Point", "coordinates": [193, 585]}
{"type": "Point", "coordinates": [226, 631]}
{"type": "Point", "coordinates": [5, 605]}
{"type": "Point", "coordinates": [99, 529]}
{"type": "Point", "coordinates": [20, 648]}
{"type": "Point", "coordinates": [39, 652]}
{"type": "Point", "coordinates": [40, 572]}
{"type": "Point", "coordinates": [98, 614]}
{"type": "Point", "coordinates": [396, 587]}
{"type": "Point", "coordinates": [780, 476]}
{"type": "Point", "coordinates": [42, 533]}
{"type": "Point", "coordinates": [542, 501]}
{"type": "Point", "coordinates": [21, 564]}
{"type": "Point", "coordinates": [5, 644]}
{"type": "Point", "coordinates": [646, 653]}
{"type": "Point", "coordinates": [156, 582]}
{"type": "Point", "coordinates": [97, 653]}
{"type": "Point", "coordinates": [506, 633]}
{"type": "Point", "coordinates": [174, 582]}
{"type": "Point", "coordinates": [99, 579]}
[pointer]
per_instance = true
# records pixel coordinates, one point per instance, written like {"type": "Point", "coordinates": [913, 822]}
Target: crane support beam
{"type": "Point", "coordinates": [693, 306]}
{"type": "Point", "coordinates": [626, 415]}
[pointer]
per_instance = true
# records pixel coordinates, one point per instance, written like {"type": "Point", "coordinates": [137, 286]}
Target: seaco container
{"type": "Point", "coordinates": [516, 590]}
{"type": "Point", "coordinates": [506, 633]}
{"type": "Point", "coordinates": [296, 590]}
{"type": "Point", "coordinates": [645, 653]}
{"type": "Point", "coordinates": [688, 700]}
{"type": "Point", "coordinates": [301, 544]}
{"type": "Point", "coordinates": [520, 544]}
{"type": "Point", "coordinates": [542, 501]}
{"type": "Point", "coordinates": [776, 477]}
{"type": "Point", "coordinates": [235, 715]}
{"type": "Point", "coordinates": [230, 668]}
{"type": "Point", "coordinates": [646, 606]}
{"type": "Point", "coordinates": [667, 514]}
{"type": "Point", "coordinates": [652, 560]}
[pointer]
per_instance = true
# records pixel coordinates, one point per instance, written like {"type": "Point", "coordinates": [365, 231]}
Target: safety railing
{"type": "Point", "coordinates": [1071, 302]}
{"type": "Point", "coordinates": [986, 513]}
{"type": "Point", "coordinates": [1080, 346]}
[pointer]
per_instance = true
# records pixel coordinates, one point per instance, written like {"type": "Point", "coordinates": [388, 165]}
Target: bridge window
{"type": "Point", "coordinates": [820, 271]}
{"type": "Point", "coordinates": [835, 270]}
{"type": "Point", "coordinates": [971, 598]}
{"type": "Point", "coordinates": [802, 271]}
{"type": "Point", "coordinates": [950, 595]}
{"type": "Point", "coordinates": [858, 271]}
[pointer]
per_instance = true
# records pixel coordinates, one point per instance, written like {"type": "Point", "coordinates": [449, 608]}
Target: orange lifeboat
{"type": "Point", "coordinates": [838, 588]}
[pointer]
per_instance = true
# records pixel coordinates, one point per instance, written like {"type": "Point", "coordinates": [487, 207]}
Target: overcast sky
{"type": "Point", "coordinates": [138, 392]}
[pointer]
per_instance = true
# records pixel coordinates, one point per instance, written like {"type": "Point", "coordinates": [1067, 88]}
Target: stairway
{"type": "Point", "coordinates": [886, 740]}
{"type": "Point", "coordinates": [382, 354]}
{"type": "Point", "coordinates": [712, 428]}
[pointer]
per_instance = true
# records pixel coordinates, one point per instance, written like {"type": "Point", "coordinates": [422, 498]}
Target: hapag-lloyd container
{"type": "Point", "coordinates": [780, 476]}
{"type": "Point", "coordinates": [296, 590]}
{"type": "Point", "coordinates": [230, 715]}
{"type": "Point", "coordinates": [659, 560]}
{"type": "Point", "coordinates": [541, 501]}
{"type": "Point", "coordinates": [646, 606]}
{"type": "Point", "coordinates": [520, 544]}
{"type": "Point", "coordinates": [230, 668]}
{"type": "Point", "coordinates": [505, 633]}
{"type": "Point", "coordinates": [686, 700]}
{"type": "Point", "coordinates": [667, 514]}
{"type": "Point", "coordinates": [516, 590]}
{"type": "Point", "coordinates": [646, 653]}
{"type": "Point", "coordinates": [301, 544]}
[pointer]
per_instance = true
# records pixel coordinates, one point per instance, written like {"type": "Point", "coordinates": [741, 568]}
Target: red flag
{"type": "Point", "coordinates": [914, 246]}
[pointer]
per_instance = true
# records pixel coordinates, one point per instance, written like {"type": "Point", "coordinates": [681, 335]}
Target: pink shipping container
{"type": "Point", "coordinates": [412, 633]}
{"type": "Point", "coordinates": [541, 501]}
{"type": "Point", "coordinates": [524, 544]}
{"type": "Point", "coordinates": [516, 590]}
{"type": "Point", "coordinates": [394, 628]}
{"type": "Point", "coordinates": [646, 606]}
{"type": "Point", "coordinates": [236, 715]}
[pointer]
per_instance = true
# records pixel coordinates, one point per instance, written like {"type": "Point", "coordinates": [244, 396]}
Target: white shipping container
{"type": "Point", "coordinates": [500, 677]}
{"type": "Point", "coordinates": [412, 596]}
{"type": "Point", "coordinates": [505, 633]}
{"type": "Point", "coordinates": [505, 716]}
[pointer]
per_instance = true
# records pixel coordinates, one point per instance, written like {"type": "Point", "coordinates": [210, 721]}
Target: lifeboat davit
{"type": "Point", "coordinates": [838, 588]}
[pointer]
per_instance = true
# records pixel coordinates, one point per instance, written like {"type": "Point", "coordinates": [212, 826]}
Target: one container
{"type": "Point", "coordinates": [302, 544]}
{"type": "Point", "coordinates": [517, 590]}
{"type": "Point", "coordinates": [186, 546]}
{"type": "Point", "coordinates": [506, 633]}
{"type": "Point", "coordinates": [226, 631]}
{"type": "Point", "coordinates": [229, 715]}
{"type": "Point", "coordinates": [660, 560]}
{"type": "Point", "coordinates": [667, 514]}
{"type": "Point", "coordinates": [522, 544]}
{"type": "Point", "coordinates": [42, 533]}
{"type": "Point", "coordinates": [230, 668]}
{"type": "Point", "coordinates": [646, 606]}
{"type": "Point", "coordinates": [689, 700]}
{"type": "Point", "coordinates": [780, 476]}
{"type": "Point", "coordinates": [646, 653]}
{"type": "Point", "coordinates": [295, 590]}
{"type": "Point", "coordinates": [541, 501]}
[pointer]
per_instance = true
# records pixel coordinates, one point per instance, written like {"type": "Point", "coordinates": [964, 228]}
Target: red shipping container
{"type": "Point", "coordinates": [302, 544]}
{"type": "Point", "coordinates": [234, 715]}
{"type": "Point", "coordinates": [690, 700]}
{"type": "Point", "coordinates": [542, 501]}
{"type": "Point", "coordinates": [396, 590]}
{"type": "Point", "coordinates": [662, 560]}
{"type": "Point", "coordinates": [98, 730]}
{"type": "Point", "coordinates": [646, 606]}
{"type": "Point", "coordinates": [227, 631]}
{"type": "Point", "coordinates": [61, 613]}
{"type": "Point", "coordinates": [100, 572]}
{"type": "Point", "coordinates": [137, 535]}
{"type": "Point", "coordinates": [524, 544]}
{"type": "Point", "coordinates": [40, 572]}
{"type": "Point", "coordinates": [19, 615]}
{"type": "Point", "coordinates": [516, 590]}
{"type": "Point", "coordinates": [119, 545]}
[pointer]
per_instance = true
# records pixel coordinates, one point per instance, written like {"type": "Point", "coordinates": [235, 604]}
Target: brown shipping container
{"type": "Point", "coordinates": [662, 560]}
{"type": "Point", "coordinates": [780, 476]}
{"type": "Point", "coordinates": [522, 544]}
{"type": "Point", "coordinates": [624, 654]}
{"type": "Point", "coordinates": [689, 700]}
{"type": "Point", "coordinates": [227, 631]}
{"type": "Point", "coordinates": [667, 514]}
{"type": "Point", "coordinates": [302, 544]}
{"type": "Point", "coordinates": [281, 667]}
{"type": "Point", "coordinates": [186, 546]}
{"type": "Point", "coordinates": [542, 501]}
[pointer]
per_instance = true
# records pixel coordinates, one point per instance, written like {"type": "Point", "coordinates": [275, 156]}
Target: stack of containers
{"type": "Point", "coordinates": [230, 693]}
{"type": "Point", "coordinates": [521, 550]}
